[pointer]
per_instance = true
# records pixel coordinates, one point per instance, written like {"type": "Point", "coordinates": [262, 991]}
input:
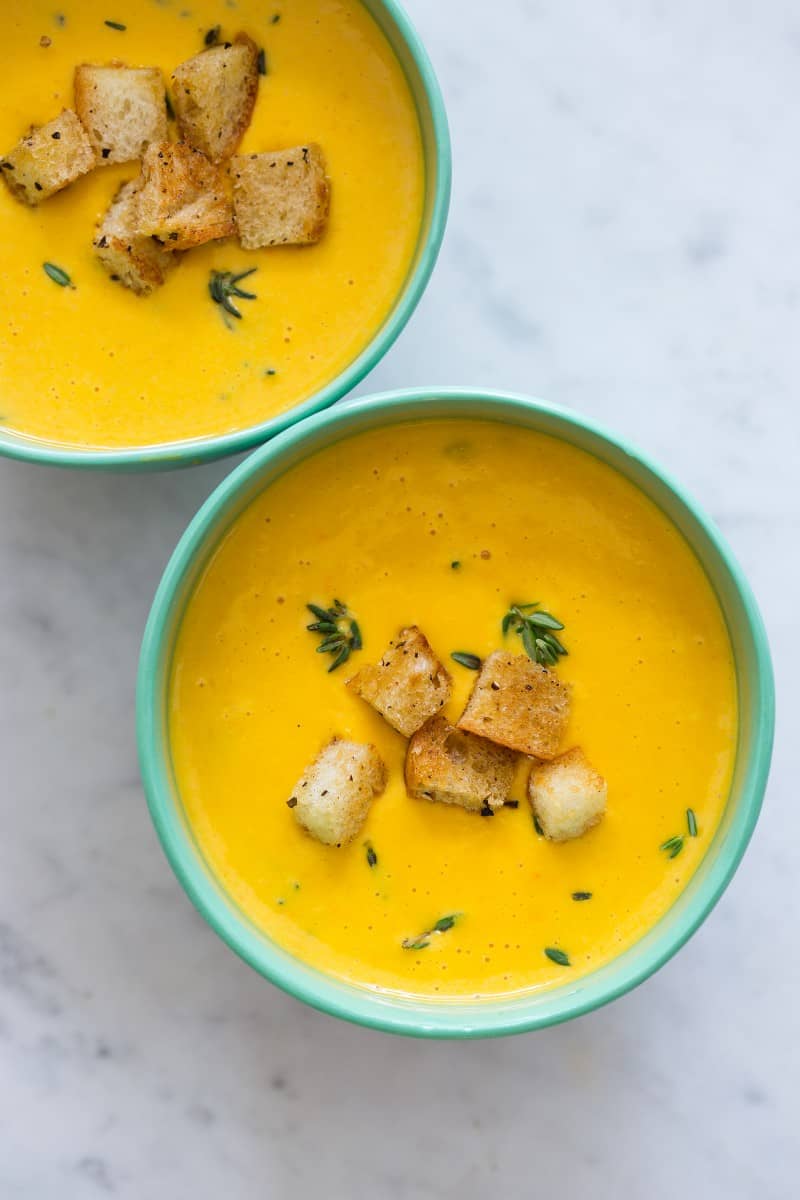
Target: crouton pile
{"type": "Point", "coordinates": [188, 192]}
{"type": "Point", "coordinates": [517, 708]}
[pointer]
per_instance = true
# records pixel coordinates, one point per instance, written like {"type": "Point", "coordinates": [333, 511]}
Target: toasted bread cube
{"type": "Point", "coordinates": [446, 764]}
{"type": "Point", "coordinates": [518, 704]}
{"type": "Point", "coordinates": [332, 798]}
{"type": "Point", "coordinates": [567, 795]}
{"type": "Point", "coordinates": [214, 94]}
{"type": "Point", "coordinates": [48, 158]}
{"type": "Point", "coordinates": [281, 198]}
{"type": "Point", "coordinates": [139, 263]}
{"type": "Point", "coordinates": [123, 109]}
{"type": "Point", "coordinates": [408, 685]}
{"type": "Point", "coordinates": [182, 199]}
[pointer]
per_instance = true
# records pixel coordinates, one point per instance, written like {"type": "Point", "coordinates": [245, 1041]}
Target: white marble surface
{"type": "Point", "coordinates": [624, 239]}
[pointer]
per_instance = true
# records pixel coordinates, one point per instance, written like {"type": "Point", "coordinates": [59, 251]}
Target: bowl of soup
{"type": "Point", "coordinates": [299, 250]}
{"type": "Point", "coordinates": [454, 713]}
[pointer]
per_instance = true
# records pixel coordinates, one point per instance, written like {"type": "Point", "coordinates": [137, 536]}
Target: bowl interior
{"type": "Point", "coordinates": [427, 96]}
{"type": "Point", "coordinates": [455, 1018]}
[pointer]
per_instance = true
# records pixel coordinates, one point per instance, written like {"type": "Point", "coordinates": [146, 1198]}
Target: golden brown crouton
{"type": "Point", "coordinates": [48, 158]}
{"type": "Point", "coordinates": [408, 685]}
{"type": "Point", "coordinates": [214, 94]}
{"type": "Point", "coordinates": [567, 795]}
{"type": "Point", "coordinates": [140, 263]}
{"type": "Point", "coordinates": [518, 704]}
{"type": "Point", "coordinates": [182, 199]}
{"type": "Point", "coordinates": [281, 198]}
{"type": "Point", "coordinates": [123, 109]}
{"type": "Point", "coordinates": [332, 798]}
{"type": "Point", "coordinates": [445, 764]}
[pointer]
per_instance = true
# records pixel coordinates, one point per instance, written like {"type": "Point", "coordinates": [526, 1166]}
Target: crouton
{"type": "Point", "coordinates": [281, 198]}
{"type": "Point", "coordinates": [518, 704]}
{"type": "Point", "coordinates": [139, 263]}
{"type": "Point", "coordinates": [48, 158]}
{"type": "Point", "coordinates": [123, 109]}
{"type": "Point", "coordinates": [445, 764]}
{"type": "Point", "coordinates": [182, 199]}
{"type": "Point", "coordinates": [408, 685]}
{"type": "Point", "coordinates": [567, 795]}
{"type": "Point", "coordinates": [214, 94]}
{"type": "Point", "coordinates": [332, 798]}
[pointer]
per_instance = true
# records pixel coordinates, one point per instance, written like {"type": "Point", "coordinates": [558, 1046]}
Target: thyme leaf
{"type": "Point", "coordinates": [537, 629]}
{"type": "Point", "coordinates": [465, 659]}
{"type": "Point", "coordinates": [340, 631]}
{"type": "Point", "coordinates": [581, 895]}
{"type": "Point", "coordinates": [691, 822]}
{"type": "Point", "coordinates": [423, 940]}
{"type": "Point", "coordinates": [672, 846]}
{"type": "Point", "coordinates": [57, 274]}
{"type": "Point", "coordinates": [372, 858]}
{"type": "Point", "coordinates": [557, 956]}
{"type": "Point", "coordinates": [116, 25]}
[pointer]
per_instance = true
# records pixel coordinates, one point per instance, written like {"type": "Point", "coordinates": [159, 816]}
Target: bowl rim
{"type": "Point", "coordinates": [193, 451]}
{"type": "Point", "coordinates": [416, 1016]}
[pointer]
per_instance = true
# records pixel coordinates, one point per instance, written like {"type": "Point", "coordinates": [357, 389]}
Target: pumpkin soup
{"type": "Point", "coordinates": [321, 145]}
{"type": "Point", "coordinates": [434, 539]}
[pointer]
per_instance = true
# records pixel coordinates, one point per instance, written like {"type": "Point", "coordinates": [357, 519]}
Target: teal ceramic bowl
{"type": "Point", "coordinates": [460, 1019]}
{"type": "Point", "coordinates": [411, 54]}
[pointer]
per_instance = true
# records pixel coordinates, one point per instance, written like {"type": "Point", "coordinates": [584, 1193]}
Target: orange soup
{"type": "Point", "coordinates": [444, 524]}
{"type": "Point", "coordinates": [95, 365]}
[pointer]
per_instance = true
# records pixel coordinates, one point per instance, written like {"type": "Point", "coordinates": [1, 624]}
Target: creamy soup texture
{"type": "Point", "coordinates": [99, 366]}
{"type": "Point", "coordinates": [378, 521]}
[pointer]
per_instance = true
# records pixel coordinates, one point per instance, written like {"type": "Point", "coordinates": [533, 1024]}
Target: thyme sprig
{"type": "Point", "coordinates": [340, 632]}
{"type": "Point", "coordinates": [223, 287]}
{"type": "Point", "coordinates": [423, 940]}
{"type": "Point", "coordinates": [537, 628]}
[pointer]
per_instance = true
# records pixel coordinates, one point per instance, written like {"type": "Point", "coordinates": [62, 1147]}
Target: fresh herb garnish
{"type": "Point", "coordinates": [116, 25]}
{"type": "Point", "coordinates": [581, 895]}
{"type": "Point", "coordinates": [372, 858]}
{"type": "Point", "coordinates": [262, 61]}
{"type": "Point", "coordinates": [340, 632]}
{"type": "Point", "coordinates": [470, 661]}
{"type": "Point", "coordinates": [672, 846]}
{"type": "Point", "coordinates": [212, 37]}
{"type": "Point", "coordinates": [223, 286]}
{"type": "Point", "coordinates": [423, 940]}
{"type": "Point", "coordinates": [538, 631]}
{"type": "Point", "coordinates": [557, 956]}
{"type": "Point", "coordinates": [537, 826]}
{"type": "Point", "coordinates": [691, 822]}
{"type": "Point", "coordinates": [455, 564]}
{"type": "Point", "coordinates": [275, 18]}
{"type": "Point", "coordinates": [57, 274]}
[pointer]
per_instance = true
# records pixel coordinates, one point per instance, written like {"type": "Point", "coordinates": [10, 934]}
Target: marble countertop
{"type": "Point", "coordinates": [623, 240]}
